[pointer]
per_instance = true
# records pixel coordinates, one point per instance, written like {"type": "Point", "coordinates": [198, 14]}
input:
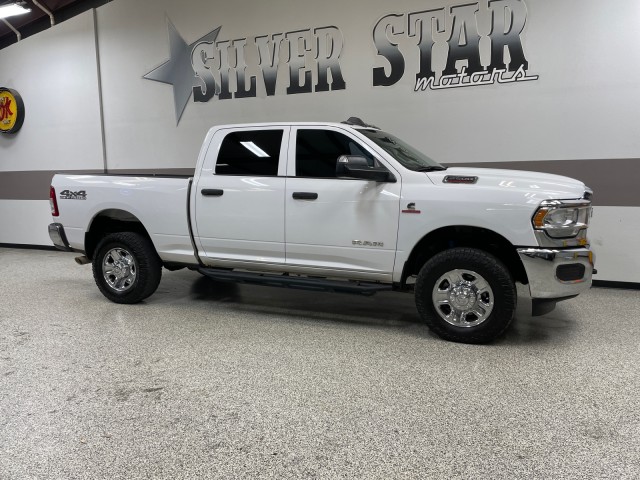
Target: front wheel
{"type": "Point", "coordinates": [126, 267]}
{"type": "Point", "coordinates": [466, 295]}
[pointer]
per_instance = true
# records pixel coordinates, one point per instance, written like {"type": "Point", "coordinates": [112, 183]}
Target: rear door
{"type": "Point", "coordinates": [239, 198]}
{"type": "Point", "coordinates": [338, 226]}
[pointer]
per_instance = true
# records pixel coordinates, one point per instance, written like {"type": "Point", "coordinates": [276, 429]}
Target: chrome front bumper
{"type": "Point", "coordinates": [58, 237]}
{"type": "Point", "coordinates": [556, 274]}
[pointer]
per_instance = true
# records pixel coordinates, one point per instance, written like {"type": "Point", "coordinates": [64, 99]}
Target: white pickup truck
{"type": "Point", "coordinates": [344, 207]}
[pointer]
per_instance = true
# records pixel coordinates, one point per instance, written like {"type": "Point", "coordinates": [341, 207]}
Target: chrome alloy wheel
{"type": "Point", "coordinates": [119, 269]}
{"type": "Point", "coordinates": [463, 298]}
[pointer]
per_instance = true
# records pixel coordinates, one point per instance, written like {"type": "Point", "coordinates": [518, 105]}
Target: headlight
{"type": "Point", "coordinates": [562, 219]}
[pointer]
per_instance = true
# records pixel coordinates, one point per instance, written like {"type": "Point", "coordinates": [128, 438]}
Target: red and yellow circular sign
{"type": "Point", "coordinates": [11, 111]}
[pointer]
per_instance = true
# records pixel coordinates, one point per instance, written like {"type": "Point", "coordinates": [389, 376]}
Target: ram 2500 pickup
{"type": "Point", "coordinates": [344, 207]}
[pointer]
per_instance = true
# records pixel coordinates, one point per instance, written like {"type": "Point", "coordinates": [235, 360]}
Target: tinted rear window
{"type": "Point", "coordinates": [254, 152]}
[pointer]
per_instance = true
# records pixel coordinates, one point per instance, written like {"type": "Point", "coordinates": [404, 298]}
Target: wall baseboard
{"type": "Point", "coordinates": [613, 284]}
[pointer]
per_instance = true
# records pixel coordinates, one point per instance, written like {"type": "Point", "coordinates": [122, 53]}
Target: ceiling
{"type": "Point", "coordinates": [37, 20]}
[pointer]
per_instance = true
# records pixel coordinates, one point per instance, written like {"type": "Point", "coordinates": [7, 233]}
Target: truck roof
{"type": "Point", "coordinates": [294, 124]}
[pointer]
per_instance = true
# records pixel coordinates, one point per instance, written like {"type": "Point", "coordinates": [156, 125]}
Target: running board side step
{"type": "Point", "coordinates": [300, 283]}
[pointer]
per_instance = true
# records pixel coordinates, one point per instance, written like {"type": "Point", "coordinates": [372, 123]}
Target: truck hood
{"type": "Point", "coordinates": [542, 185]}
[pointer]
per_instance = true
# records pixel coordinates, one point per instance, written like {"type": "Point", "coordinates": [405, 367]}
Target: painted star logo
{"type": "Point", "coordinates": [178, 71]}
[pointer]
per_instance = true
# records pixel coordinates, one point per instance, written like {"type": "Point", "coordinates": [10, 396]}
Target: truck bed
{"type": "Point", "coordinates": [159, 202]}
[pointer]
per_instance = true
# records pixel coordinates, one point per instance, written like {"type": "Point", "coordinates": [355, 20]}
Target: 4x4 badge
{"type": "Point", "coordinates": [69, 195]}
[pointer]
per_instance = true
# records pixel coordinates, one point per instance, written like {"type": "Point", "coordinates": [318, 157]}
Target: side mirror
{"type": "Point", "coordinates": [355, 166]}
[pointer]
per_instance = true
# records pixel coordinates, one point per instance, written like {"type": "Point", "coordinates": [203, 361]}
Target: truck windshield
{"type": "Point", "coordinates": [404, 153]}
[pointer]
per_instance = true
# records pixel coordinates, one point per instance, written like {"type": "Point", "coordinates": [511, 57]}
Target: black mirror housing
{"type": "Point", "coordinates": [356, 166]}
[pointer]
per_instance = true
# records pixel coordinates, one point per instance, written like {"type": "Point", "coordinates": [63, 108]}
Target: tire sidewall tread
{"type": "Point", "coordinates": [149, 266]}
{"type": "Point", "coordinates": [493, 271]}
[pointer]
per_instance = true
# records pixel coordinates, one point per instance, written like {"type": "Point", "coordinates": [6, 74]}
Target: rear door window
{"type": "Point", "coordinates": [251, 153]}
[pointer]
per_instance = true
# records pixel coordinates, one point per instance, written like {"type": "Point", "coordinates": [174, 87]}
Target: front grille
{"type": "Point", "coordinates": [571, 272]}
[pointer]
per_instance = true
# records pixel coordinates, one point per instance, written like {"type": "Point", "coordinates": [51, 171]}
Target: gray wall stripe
{"type": "Point", "coordinates": [31, 185]}
{"type": "Point", "coordinates": [34, 185]}
{"type": "Point", "coordinates": [614, 181]}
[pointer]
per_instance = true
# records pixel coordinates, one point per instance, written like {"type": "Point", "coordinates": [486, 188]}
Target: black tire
{"type": "Point", "coordinates": [479, 307]}
{"type": "Point", "coordinates": [140, 275]}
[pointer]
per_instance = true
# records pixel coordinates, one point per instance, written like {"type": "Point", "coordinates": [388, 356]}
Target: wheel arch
{"type": "Point", "coordinates": [464, 236]}
{"type": "Point", "coordinates": [112, 220]}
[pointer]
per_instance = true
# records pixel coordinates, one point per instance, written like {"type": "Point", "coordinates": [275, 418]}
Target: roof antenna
{"type": "Point", "coordinates": [358, 122]}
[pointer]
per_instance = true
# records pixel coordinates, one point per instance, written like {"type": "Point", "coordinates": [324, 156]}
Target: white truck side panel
{"type": "Point", "coordinates": [246, 222]}
{"type": "Point", "coordinates": [324, 233]}
{"type": "Point", "coordinates": [159, 203]}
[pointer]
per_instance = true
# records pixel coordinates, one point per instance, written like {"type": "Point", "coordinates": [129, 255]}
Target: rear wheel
{"type": "Point", "coordinates": [126, 267]}
{"type": "Point", "coordinates": [466, 295]}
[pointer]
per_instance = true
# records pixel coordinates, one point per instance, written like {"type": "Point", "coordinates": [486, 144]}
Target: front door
{"type": "Point", "coordinates": [338, 226]}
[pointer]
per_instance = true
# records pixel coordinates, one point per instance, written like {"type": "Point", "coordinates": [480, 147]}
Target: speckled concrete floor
{"type": "Point", "coordinates": [208, 380]}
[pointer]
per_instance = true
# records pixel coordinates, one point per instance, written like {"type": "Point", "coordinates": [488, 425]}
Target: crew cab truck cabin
{"type": "Point", "coordinates": [344, 207]}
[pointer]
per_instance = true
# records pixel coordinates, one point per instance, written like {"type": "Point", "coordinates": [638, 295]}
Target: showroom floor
{"type": "Point", "coordinates": [208, 380]}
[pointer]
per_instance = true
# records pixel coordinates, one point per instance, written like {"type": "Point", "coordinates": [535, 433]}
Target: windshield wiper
{"type": "Point", "coordinates": [434, 168]}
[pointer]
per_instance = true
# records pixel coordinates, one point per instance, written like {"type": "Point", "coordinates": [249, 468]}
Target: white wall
{"type": "Point", "coordinates": [56, 75]}
{"type": "Point", "coordinates": [25, 222]}
{"type": "Point", "coordinates": [55, 72]}
{"type": "Point", "coordinates": [583, 107]}
{"type": "Point", "coordinates": [614, 232]}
